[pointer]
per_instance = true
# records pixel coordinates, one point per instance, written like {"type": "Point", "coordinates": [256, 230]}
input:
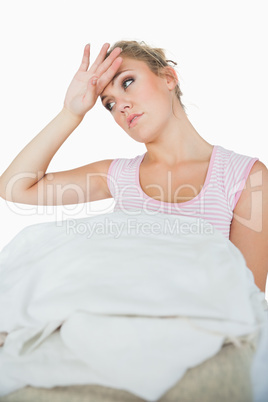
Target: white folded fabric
{"type": "Point", "coordinates": [139, 299]}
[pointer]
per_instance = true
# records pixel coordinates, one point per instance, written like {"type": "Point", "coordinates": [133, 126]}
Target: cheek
{"type": "Point", "coordinates": [154, 93]}
{"type": "Point", "coordinates": [147, 93]}
{"type": "Point", "coordinates": [120, 119]}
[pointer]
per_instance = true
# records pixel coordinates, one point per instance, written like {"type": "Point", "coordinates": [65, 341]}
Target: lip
{"type": "Point", "coordinates": [131, 122]}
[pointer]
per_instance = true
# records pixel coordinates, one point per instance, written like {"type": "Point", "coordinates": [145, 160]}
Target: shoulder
{"type": "Point", "coordinates": [120, 164]}
{"type": "Point", "coordinates": [257, 180]}
{"type": "Point", "coordinates": [236, 166]}
{"type": "Point", "coordinates": [121, 169]}
{"type": "Point", "coordinates": [233, 170]}
{"type": "Point", "coordinates": [249, 227]}
{"type": "Point", "coordinates": [254, 196]}
{"type": "Point", "coordinates": [106, 164]}
{"type": "Point", "coordinates": [260, 169]}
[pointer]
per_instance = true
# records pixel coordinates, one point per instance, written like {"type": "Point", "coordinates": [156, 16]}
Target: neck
{"type": "Point", "coordinates": [178, 142]}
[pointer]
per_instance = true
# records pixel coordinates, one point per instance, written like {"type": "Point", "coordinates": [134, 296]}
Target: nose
{"type": "Point", "coordinates": [124, 105]}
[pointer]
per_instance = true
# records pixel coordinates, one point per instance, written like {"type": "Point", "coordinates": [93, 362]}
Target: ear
{"type": "Point", "coordinates": [170, 77]}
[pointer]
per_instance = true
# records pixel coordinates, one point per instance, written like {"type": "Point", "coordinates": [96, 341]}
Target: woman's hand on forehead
{"type": "Point", "coordinates": [90, 81]}
{"type": "Point", "coordinates": [105, 69]}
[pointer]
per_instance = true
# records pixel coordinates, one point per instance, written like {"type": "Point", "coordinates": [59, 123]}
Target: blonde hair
{"type": "Point", "coordinates": [155, 58]}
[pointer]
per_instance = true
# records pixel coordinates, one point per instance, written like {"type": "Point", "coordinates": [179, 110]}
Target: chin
{"type": "Point", "coordinates": [142, 134]}
{"type": "Point", "coordinates": [143, 138]}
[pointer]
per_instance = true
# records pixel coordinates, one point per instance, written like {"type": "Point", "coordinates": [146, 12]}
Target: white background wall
{"type": "Point", "coordinates": [220, 48]}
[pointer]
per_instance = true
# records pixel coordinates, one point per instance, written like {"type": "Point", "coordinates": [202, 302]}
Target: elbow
{"type": "Point", "coordinates": [8, 194]}
{"type": "Point", "coordinates": [13, 189]}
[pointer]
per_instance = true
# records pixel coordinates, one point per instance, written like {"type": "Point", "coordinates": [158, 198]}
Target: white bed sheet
{"type": "Point", "coordinates": [137, 302]}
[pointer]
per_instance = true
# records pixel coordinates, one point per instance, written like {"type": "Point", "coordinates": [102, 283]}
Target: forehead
{"type": "Point", "coordinates": [129, 63]}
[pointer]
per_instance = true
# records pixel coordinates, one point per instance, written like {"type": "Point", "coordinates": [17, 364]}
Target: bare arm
{"type": "Point", "coordinates": [31, 163]}
{"type": "Point", "coordinates": [249, 228]}
{"type": "Point", "coordinates": [25, 180]}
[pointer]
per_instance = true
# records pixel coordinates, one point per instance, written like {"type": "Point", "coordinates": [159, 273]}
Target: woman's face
{"type": "Point", "coordinates": [139, 100]}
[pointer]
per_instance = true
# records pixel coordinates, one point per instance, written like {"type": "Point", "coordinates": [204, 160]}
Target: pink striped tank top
{"type": "Point", "coordinates": [226, 177]}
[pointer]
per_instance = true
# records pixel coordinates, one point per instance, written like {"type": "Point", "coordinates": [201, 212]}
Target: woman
{"type": "Point", "coordinates": [180, 172]}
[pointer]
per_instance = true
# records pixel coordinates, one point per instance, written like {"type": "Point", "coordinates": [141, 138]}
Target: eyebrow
{"type": "Point", "coordinates": [112, 81]}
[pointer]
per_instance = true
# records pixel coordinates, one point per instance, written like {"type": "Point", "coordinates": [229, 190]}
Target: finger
{"type": "Point", "coordinates": [85, 60]}
{"type": "Point", "coordinates": [103, 67]}
{"type": "Point", "coordinates": [101, 57]}
{"type": "Point", "coordinates": [104, 80]}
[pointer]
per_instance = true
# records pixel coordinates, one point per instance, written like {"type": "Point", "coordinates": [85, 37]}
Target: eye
{"type": "Point", "coordinates": [109, 106]}
{"type": "Point", "coordinates": [127, 82]}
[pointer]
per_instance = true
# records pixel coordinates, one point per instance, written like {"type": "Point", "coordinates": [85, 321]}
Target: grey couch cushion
{"type": "Point", "coordinates": [223, 378]}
